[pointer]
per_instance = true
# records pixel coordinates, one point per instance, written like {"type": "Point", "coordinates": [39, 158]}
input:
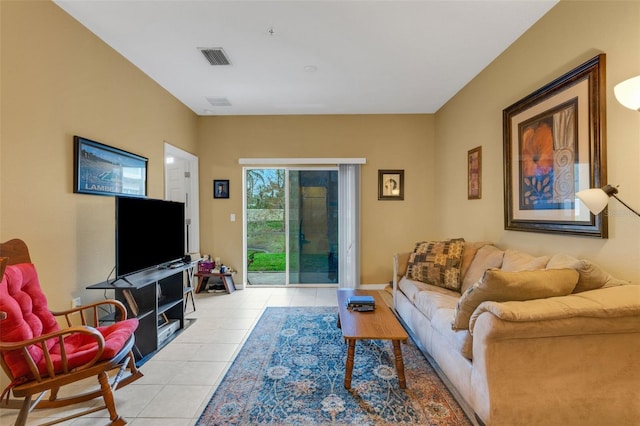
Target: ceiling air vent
{"type": "Point", "coordinates": [215, 56]}
{"type": "Point", "coordinates": [218, 101]}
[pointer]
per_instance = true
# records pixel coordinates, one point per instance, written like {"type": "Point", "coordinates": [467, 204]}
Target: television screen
{"type": "Point", "coordinates": [149, 233]}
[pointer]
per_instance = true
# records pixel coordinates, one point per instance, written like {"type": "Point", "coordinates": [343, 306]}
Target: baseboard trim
{"type": "Point", "coordinates": [371, 286]}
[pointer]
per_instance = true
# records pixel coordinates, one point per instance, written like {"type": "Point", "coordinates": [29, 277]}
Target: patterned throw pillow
{"type": "Point", "coordinates": [437, 263]}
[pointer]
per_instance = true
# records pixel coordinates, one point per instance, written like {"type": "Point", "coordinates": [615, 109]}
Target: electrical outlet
{"type": "Point", "coordinates": [75, 302]}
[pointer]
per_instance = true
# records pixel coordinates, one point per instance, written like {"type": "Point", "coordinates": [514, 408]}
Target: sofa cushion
{"type": "Point", "coordinates": [501, 286]}
{"type": "Point", "coordinates": [486, 257]}
{"type": "Point", "coordinates": [437, 263]}
{"type": "Point", "coordinates": [459, 340]}
{"type": "Point", "coordinates": [591, 275]}
{"type": "Point", "coordinates": [515, 261]}
{"type": "Point", "coordinates": [427, 298]}
{"type": "Point", "coordinates": [430, 302]}
{"type": "Point", "coordinates": [468, 254]}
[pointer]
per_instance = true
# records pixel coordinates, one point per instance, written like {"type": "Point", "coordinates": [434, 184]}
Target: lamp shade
{"type": "Point", "coordinates": [595, 199]}
{"type": "Point", "coordinates": [628, 93]}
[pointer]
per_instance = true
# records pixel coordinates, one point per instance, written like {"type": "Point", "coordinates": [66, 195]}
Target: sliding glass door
{"type": "Point", "coordinates": [313, 226]}
{"type": "Point", "coordinates": [291, 223]}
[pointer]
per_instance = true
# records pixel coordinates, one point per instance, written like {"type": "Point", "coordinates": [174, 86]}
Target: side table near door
{"type": "Point", "coordinates": [226, 278]}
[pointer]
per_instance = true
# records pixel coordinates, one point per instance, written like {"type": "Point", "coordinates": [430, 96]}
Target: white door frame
{"type": "Point", "coordinates": [191, 189]}
{"type": "Point", "coordinates": [349, 212]}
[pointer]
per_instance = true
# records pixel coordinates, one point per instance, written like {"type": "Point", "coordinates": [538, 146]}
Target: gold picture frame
{"type": "Point", "coordinates": [554, 147]}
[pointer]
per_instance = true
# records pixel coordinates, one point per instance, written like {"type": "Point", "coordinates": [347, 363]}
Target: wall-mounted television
{"type": "Point", "coordinates": [149, 233]}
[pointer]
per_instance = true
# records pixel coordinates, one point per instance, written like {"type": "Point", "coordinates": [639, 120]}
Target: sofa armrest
{"type": "Point", "coordinates": [611, 309]}
{"type": "Point", "coordinates": [400, 262]}
{"type": "Point", "coordinates": [558, 353]}
{"type": "Point", "coordinates": [558, 364]}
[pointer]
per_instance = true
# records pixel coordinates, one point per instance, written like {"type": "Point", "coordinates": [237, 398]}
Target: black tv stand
{"type": "Point", "coordinates": [159, 296]}
{"type": "Point", "coordinates": [113, 283]}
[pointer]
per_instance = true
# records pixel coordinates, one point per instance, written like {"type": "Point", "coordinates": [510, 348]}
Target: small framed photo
{"type": "Point", "coordinates": [474, 174]}
{"type": "Point", "coordinates": [391, 185]}
{"type": "Point", "coordinates": [162, 320]}
{"type": "Point", "coordinates": [221, 188]}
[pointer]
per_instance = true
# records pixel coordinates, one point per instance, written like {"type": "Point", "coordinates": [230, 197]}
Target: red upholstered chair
{"type": "Point", "coordinates": [40, 357]}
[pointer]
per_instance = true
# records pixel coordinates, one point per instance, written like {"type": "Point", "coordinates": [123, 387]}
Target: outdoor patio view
{"type": "Point", "coordinates": [304, 249]}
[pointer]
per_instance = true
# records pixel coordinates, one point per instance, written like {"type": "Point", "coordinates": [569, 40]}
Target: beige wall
{"type": "Point", "coordinates": [567, 36]}
{"type": "Point", "coordinates": [386, 141]}
{"type": "Point", "coordinates": [59, 80]}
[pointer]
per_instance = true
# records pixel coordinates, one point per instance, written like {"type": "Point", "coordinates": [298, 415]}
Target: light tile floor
{"type": "Point", "coordinates": [180, 379]}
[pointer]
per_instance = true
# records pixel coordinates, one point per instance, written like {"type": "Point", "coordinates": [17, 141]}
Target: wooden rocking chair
{"type": "Point", "coordinates": [40, 357]}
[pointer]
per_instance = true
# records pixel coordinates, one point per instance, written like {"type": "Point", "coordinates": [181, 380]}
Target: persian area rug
{"type": "Point", "coordinates": [291, 370]}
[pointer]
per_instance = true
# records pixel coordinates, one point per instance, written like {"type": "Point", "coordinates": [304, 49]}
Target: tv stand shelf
{"type": "Point", "coordinates": [165, 307]}
{"type": "Point", "coordinates": [156, 298]}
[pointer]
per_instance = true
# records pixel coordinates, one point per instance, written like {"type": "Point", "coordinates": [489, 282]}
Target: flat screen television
{"type": "Point", "coordinates": [149, 233]}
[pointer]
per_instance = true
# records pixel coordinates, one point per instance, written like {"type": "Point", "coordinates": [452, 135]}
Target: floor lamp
{"type": "Point", "coordinates": [596, 199]}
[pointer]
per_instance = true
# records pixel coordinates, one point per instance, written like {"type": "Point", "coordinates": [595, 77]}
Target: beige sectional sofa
{"type": "Point", "coordinates": [524, 340]}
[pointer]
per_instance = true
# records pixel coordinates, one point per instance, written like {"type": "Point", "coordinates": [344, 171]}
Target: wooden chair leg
{"type": "Point", "coordinates": [53, 394]}
{"type": "Point", "coordinates": [24, 411]}
{"type": "Point", "coordinates": [109, 401]}
{"type": "Point", "coordinates": [131, 365]}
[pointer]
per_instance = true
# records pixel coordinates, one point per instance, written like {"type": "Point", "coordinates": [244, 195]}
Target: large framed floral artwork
{"type": "Point", "coordinates": [554, 146]}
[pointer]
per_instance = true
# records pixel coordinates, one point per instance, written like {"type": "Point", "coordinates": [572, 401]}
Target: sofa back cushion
{"type": "Point", "coordinates": [437, 263]}
{"type": "Point", "coordinates": [487, 257]}
{"type": "Point", "coordinates": [500, 286]}
{"type": "Point", "coordinates": [591, 275]}
{"type": "Point", "coordinates": [515, 261]}
{"type": "Point", "coordinates": [468, 254]}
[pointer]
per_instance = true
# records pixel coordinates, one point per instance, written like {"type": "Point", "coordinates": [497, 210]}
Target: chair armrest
{"type": "Point", "coordinates": [92, 310]}
{"type": "Point", "coordinates": [59, 336]}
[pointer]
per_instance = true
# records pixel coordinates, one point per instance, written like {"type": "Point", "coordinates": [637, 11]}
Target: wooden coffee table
{"type": "Point", "coordinates": [379, 324]}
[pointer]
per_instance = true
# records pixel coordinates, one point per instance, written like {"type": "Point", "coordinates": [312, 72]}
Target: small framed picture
{"type": "Point", "coordinates": [391, 185]}
{"type": "Point", "coordinates": [162, 320]}
{"type": "Point", "coordinates": [474, 174]}
{"type": "Point", "coordinates": [221, 188]}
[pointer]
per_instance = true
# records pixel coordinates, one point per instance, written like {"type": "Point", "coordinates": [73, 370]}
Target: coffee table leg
{"type": "Point", "coordinates": [399, 364]}
{"type": "Point", "coordinates": [351, 350]}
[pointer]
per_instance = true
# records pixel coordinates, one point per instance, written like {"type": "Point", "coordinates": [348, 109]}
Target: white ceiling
{"type": "Point", "coordinates": [324, 57]}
